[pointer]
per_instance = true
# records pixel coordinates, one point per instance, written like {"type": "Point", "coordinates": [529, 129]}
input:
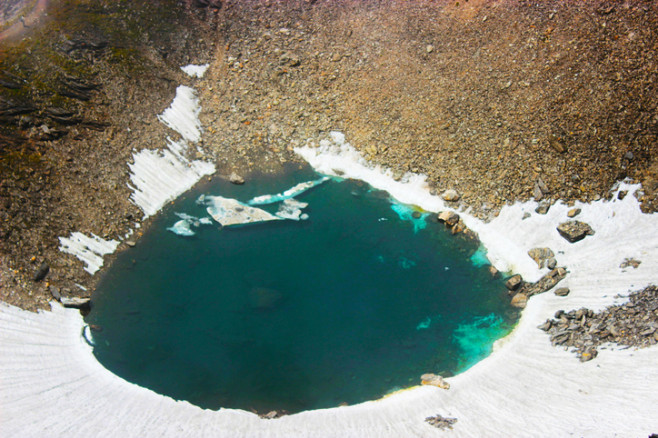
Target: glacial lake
{"type": "Point", "coordinates": [357, 301]}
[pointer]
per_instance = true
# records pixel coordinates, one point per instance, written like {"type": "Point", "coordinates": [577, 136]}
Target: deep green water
{"type": "Point", "coordinates": [341, 308]}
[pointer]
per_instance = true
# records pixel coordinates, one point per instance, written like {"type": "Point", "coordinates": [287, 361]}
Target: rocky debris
{"type": "Point", "coordinates": [540, 189]}
{"type": "Point", "coordinates": [234, 178]}
{"type": "Point", "coordinates": [271, 415]}
{"type": "Point", "coordinates": [633, 324]}
{"type": "Point", "coordinates": [630, 262]}
{"type": "Point", "coordinates": [562, 291]}
{"type": "Point", "coordinates": [543, 257]}
{"type": "Point", "coordinates": [41, 272]}
{"type": "Point", "coordinates": [450, 218]}
{"type": "Point", "coordinates": [574, 231]}
{"type": "Point", "coordinates": [434, 380]}
{"type": "Point", "coordinates": [545, 283]}
{"type": "Point", "coordinates": [443, 423]}
{"type": "Point", "coordinates": [519, 300]}
{"type": "Point", "coordinates": [450, 195]}
{"type": "Point", "coordinates": [75, 302]}
{"type": "Point", "coordinates": [573, 212]}
{"type": "Point", "coordinates": [514, 282]}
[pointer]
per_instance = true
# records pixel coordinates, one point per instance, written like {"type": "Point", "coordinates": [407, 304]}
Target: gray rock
{"type": "Point", "coordinates": [234, 178]}
{"type": "Point", "coordinates": [514, 282]}
{"type": "Point", "coordinates": [542, 186]}
{"type": "Point", "coordinates": [54, 291]}
{"type": "Point", "coordinates": [551, 263]}
{"type": "Point", "coordinates": [429, 48]}
{"type": "Point", "coordinates": [450, 195]}
{"type": "Point", "coordinates": [434, 380]}
{"type": "Point", "coordinates": [562, 291]}
{"type": "Point", "coordinates": [543, 207]}
{"type": "Point", "coordinates": [574, 231]}
{"type": "Point", "coordinates": [440, 422]}
{"type": "Point", "coordinates": [131, 243]}
{"type": "Point", "coordinates": [537, 193]}
{"type": "Point", "coordinates": [75, 302]}
{"type": "Point", "coordinates": [41, 273]}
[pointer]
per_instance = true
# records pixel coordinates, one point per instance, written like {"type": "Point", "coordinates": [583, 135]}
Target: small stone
{"type": "Point", "coordinates": [450, 195]}
{"type": "Point", "coordinates": [440, 422]}
{"type": "Point", "coordinates": [519, 300]}
{"type": "Point", "coordinates": [450, 218]}
{"type": "Point", "coordinates": [131, 243]}
{"type": "Point", "coordinates": [54, 291]}
{"type": "Point", "coordinates": [574, 212]}
{"type": "Point", "coordinates": [551, 263]}
{"type": "Point", "coordinates": [562, 291]}
{"type": "Point", "coordinates": [589, 354]}
{"type": "Point", "coordinates": [434, 380]}
{"type": "Point", "coordinates": [557, 144]}
{"type": "Point", "coordinates": [574, 231]}
{"type": "Point", "coordinates": [429, 48]}
{"type": "Point", "coordinates": [234, 178]}
{"type": "Point", "coordinates": [543, 208]}
{"type": "Point", "coordinates": [514, 282]}
{"type": "Point", "coordinates": [545, 326]}
{"type": "Point", "coordinates": [493, 271]}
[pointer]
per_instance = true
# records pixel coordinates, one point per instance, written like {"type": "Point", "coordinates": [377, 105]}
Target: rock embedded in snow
{"type": "Point", "coordinates": [562, 291]}
{"type": "Point", "coordinates": [434, 380]}
{"type": "Point", "coordinates": [574, 231]}
{"type": "Point", "coordinates": [574, 212]}
{"type": "Point", "coordinates": [440, 422]}
{"type": "Point", "coordinates": [450, 195]}
{"type": "Point", "coordinates": [75, 302]}
{"type": "Point", "coordinates": [541, 256]}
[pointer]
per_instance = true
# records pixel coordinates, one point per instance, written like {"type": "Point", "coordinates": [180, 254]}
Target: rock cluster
{"type": "Point", "coordinates": [521, 290]}
{"type": "Point", "coordinates": [633, 324]}
{"type": "Point", "coordinates": [543, 257]}
{"type": "Point", "coordinates": [441, 422]}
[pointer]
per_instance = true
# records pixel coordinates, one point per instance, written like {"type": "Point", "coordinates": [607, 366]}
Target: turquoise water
{"type": "Point", "coordinates": [357, 301]}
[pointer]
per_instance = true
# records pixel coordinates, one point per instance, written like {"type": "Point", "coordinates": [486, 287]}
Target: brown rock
{"type": "Point", "coordinates": [519, 300]}
{"type": "Point", "coordinates": [450, 195]}
{"type": "Point", "coordinates": [450, 218]}
{"type": "Point", "coordinates": [574, 231]}
{"type": "Point", "coordinates": [574, 212]}
{"type": "Point", "coordinates": [514, 282]}
{"type": "Point", "coordinates": [562, 291]}
{"type": "Point", "coordinates": [434, 380]}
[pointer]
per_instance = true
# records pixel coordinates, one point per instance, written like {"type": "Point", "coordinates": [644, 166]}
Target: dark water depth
{"type": "Point", "coordinates": [341, 308]}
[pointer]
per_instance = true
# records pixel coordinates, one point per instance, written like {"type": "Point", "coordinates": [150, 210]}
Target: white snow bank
{"type": "Point", "coordinates": [90, 250]}
{"type": "Point", "coordinates": [193, 70]}
{"type": "Point", "coordinates": [51, 385]}
{"type": "Point", "coordinates": [161, 176]}
{"type": "Point", "coordinates": [183, 114]}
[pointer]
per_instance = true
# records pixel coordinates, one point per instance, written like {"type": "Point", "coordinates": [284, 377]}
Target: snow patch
{"type": "Point", "coordinates": [288, 194]}
{"type": "Point", "coordinates": [183, 114]}
{"type": "Point", "coordinates": [89, 249]}
{"type": "Point", "coordinates": [193, 70]}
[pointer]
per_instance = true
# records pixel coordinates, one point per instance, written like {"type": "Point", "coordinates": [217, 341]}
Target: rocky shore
{"type": "Point", "coordinates": [558, 105]}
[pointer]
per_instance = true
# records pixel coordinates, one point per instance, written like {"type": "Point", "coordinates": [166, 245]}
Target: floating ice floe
{"type": "Point", "coordinates": [90, 250]}
{"type": "Point", "coordinates": [288, 194]}
{"type": "Point", "coordinates": [183, 227]}
{"type": "Point", "coordinates": [228, 211]}
{"type": "Point", "coordinates": [193, 70]}
{"type": "Point", "coordinates": [292, 209]}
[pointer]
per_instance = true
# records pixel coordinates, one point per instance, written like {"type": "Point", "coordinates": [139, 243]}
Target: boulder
{"type": "Point", "coordinates": [519, 300]}
{"type": "Point", "coordinates": [434, 380]}
{"type": "Point", "coordinates": [234, 178]}
{"type": "Point", "coordinates": [41, 273]}
{"type": "Point", "coordinates": [514, 282]}
{"type": "Point", "coordinates": [541, 256]}
{"type": "Point", "coordinates": [543, 207]}
{"type": "Point", "coordinates": [450, 195]}
{"type": "Point", "coordinates": [75, 302]}
{"type": "Point", "coordinates": [574, 231]}
{"type": "Point", "coordinates": [545, 283]}
{"type": "Point", "coordinates": [450, 218]}
{"type": "Point", "coordinates": [562, 291]}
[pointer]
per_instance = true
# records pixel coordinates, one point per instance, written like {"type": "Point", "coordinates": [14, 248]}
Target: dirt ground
{"type": "Point", "coordinates": [499, 100]}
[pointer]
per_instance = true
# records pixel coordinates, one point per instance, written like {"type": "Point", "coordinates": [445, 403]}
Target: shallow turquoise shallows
{"type": "Point", "coordinates": [356, 301]}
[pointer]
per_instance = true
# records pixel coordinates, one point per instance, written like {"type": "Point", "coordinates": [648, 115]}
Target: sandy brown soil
{"type": "Point", "coordinates": [486, 97]}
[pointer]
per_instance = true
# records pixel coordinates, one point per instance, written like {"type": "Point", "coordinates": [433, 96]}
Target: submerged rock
{"type": "Point", "coordinates": [263, 298]}
{"type": "Point", "coordinates": [574, 231]}
{"type": "Point", "coordinates": [519, 300]}
{"type": "Point", "coordinates": [234, 178]}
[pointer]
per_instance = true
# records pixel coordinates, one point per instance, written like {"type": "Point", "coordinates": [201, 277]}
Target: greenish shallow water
{"type": "Point", "coordinates": [341, 308]}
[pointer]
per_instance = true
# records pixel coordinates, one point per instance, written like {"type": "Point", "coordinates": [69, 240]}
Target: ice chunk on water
{"type": "Point", "coordinates": [288, 194]}
{"type": "Point", "coordinates": [228, 211]}
{"type": "Point", "coordinates": [424, 324]}
{"type": "Point", "coordinates": [182, 228]}
{"type": "Point", "coordinates": [292, 209]}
